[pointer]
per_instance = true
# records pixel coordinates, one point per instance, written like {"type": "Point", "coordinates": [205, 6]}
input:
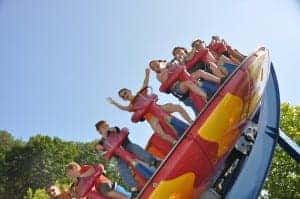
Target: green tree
{"type": "Point", "coordinates": [284, 178]}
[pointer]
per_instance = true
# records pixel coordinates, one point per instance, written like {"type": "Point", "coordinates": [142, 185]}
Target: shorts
{"type": "Point", "coordinates": [177, 90]}
{"type": "Point", "coordinates": [179, 126]}
{"type": "Point", "coordinates": [189, 102]}
{"type": "Point", "coordinates": [209, 88]}
{"type": "Point", "coordinates": [229, 67]}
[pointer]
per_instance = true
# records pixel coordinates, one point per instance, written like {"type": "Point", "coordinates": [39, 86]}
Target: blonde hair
{"type": "Point", "coordinates": [72, 165]}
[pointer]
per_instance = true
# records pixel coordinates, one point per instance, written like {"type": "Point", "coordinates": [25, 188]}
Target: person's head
{"type": "Point", "coordinates": [73, 170]}
{"type": "Point", "coordinates": [216, 38]}
{"type": "Point", "coordinates": [179, 53]}
{"type": "Point", "coordinates": [53, 191]}
{"type": "Point", "coordinates": [102, 127]}
{"type": "Point", "coordinates": [156, 65]}
{"type": "Point", "coordinates": [125, 94]}
{"type": "Point", "coordinates": [198, 44]}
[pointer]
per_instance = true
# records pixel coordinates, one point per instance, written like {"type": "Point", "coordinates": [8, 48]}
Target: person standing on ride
{"type": "Point", "coordinates": [177, 125]}
{"type": "Point", "coordinates": [103, 185]}
{"type": "Point", "coordinates": [105, 130]}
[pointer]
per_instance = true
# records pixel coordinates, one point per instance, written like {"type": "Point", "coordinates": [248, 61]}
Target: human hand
{"type": "Point", "coordinates": [147, 71]}
{"type": "Point", "coordinates": [99, 147]}
{"type": "Point", "coordinates": [110, 100]}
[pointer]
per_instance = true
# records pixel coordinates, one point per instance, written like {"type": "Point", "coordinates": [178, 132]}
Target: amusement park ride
{"type": "Point", "coordinates": [232, 138]}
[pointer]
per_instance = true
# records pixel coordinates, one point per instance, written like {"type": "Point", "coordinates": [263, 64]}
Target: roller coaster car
{"type": "Point", "coordinates": [197, 160]}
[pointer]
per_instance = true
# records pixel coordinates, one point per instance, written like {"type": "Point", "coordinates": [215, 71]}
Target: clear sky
{"type": "Point", "coordinates": [59, 60]}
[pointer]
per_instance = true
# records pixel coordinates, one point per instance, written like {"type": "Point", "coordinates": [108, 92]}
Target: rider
{"type": "Point", "coordinates": [220, 47]}
{"type": "Point", "coordinates": [204, 89]}
{"type": "Point", "coordinates": [103, 185]}
{"type": "Point", "coordinates": [178, 125]}
{"type": "Point", "coordinates": [105, 130]}
{"type": "Point", "coordinates": [54, 192]}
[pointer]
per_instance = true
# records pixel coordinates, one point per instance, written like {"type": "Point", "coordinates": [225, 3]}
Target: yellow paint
{"type": "Point", "coordinates": [177, 188]}
{"type": "Point", "coordinates": [220, 126]}
{"type": "Point", "coordinates": [258, 71]}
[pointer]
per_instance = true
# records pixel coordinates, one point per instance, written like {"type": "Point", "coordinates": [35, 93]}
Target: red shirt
{"type": "Point", "coordinates": [218, 47]}
{"type": "Point", "coordinates": [100, 180]}
{"type": "Point", "coordinates": [203, 55]}
{"type": "Point", "coordinates": [85, 168]}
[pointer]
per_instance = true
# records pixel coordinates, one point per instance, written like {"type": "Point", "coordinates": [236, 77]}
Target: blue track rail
{"type": "Point", "coordinates": [249, 183]}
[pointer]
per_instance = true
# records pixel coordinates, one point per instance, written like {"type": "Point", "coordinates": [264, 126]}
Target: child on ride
{"type": "Point", "coordinates": [103, 185]}
{"type": "Point", "coordinates": [198, 58]}
{"type": "Point", "coordinates": [54, 192]}
{"type": "Point", "coordinates": [204, 89]}
{"type": "Point", "coordinates": [220, 47]}
{"type": "Point", "coordinates": [223, 62]}
{"type": "Point", "coordinates": [105, 130]}
{"type": "Point", "coordinates": [177, 125]}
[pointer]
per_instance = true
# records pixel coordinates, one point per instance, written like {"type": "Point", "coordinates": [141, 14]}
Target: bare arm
{"type": "Point", "coordinates": [190, 55]}
{"type": "Point", "coordinates": [146, 80]}
{"type": "Point", "coordinates": [158, 129]}
{"type": "Point", "coordinates": [120, 106]}
{"type": "Point", "coordinates": [172, 108]}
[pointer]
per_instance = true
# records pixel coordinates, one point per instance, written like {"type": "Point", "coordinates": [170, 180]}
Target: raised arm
{"type": "Point", "coordinates": [173, 108]}
{"type": "Point", "coordinates": [120, 106]}
{"type": "Point", "coordinates": [146, 79]}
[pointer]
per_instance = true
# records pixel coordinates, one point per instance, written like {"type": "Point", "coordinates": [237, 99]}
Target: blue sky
{"type": "Point", "coordinates": [59, 60]}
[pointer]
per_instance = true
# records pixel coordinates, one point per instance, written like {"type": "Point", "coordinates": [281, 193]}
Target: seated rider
{"type": "Point", "coordinates": [177, 125]}
{"type": "Point", "coordinates": [204, 89]}
{"type": "Point", "coordinates": [226, 65]}
{"type": "Point", "coordinates": [103, 185]}
{"type": "Point", "coordinates": [105, 130]}
{"type": "Point", "coordinates": [199, 70]}
{"type": "Point", "coordinates": [220, 47]}
{"type": "Point", "coordinates": [54, 192]}
{"type": "Point", "coordinates": [198, 59]}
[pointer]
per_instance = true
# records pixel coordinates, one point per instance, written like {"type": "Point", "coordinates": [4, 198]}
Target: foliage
{"type": "Point", "coordinates": [26, 168]}
{"type": "Point", "coordinates": [284, 178]}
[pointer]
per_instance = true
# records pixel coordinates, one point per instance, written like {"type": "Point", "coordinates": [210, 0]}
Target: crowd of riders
{"type": "Point", "coordinates": [192, 76]}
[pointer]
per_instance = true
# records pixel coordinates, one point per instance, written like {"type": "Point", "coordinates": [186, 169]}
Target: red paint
{"type": "Point", "coordinates": [194, 154]}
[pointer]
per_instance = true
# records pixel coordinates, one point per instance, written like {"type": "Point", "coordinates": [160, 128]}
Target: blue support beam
{"type": "Point", "coordinates": [289, 146]}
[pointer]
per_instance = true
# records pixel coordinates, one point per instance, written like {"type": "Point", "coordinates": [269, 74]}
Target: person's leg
{"type": "Point", "coordinates": [229, 67]}
{"type": "Point", "coordinates": [217, 71]}
{"type": "Point", "coordinates": [107, 190]}
{"type": "Point", "coordinates": [190, 86]}
{"type": "Point", "coordinates": [224, 59]}
{"type": "Point", "coordinates": [209, 87]}
{"type": "Point", "coordinates": [206, 76]}
{"type": "Point", "coordinates": [115, 195]}
{"type": "Point", "coordinates": [122, 190]}
{"type": "Point", "coordinates": [140, 153]}
{"type": "Point", "coordinates": [188, 102]}
{"type": "Point", "coordinates": [126, 174]}
{"type": "Point", "coordinates": [179, 126]}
